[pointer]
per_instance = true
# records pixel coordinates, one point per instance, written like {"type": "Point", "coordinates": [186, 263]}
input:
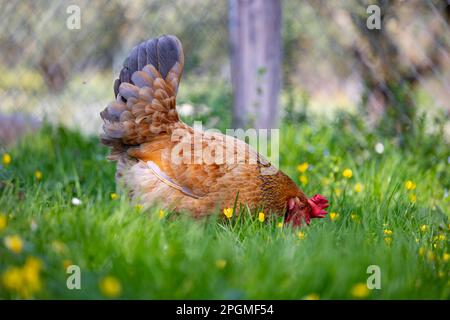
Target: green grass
{"type": "Point", "coordinates": [178, 257]}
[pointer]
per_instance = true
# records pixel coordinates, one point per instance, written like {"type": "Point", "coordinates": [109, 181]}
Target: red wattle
{"type": "Point", "coordinates": [318, 203]}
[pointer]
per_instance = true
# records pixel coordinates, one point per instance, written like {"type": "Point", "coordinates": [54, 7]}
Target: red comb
{"type": "Point", "coordinates": [318, 203]}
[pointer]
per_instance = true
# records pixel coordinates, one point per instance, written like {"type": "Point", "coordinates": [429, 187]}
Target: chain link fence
{"type": "Point", "coordinates": [52, 71]}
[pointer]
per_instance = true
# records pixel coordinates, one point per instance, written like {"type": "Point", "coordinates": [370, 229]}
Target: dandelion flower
{"type": "Point", "coordinates": [24, 280]}
{"type": "Point", "coordinates": [14, 243]}
{"type": "Point", "coordinates": [31, 271]}
{"type": "Point", "coordinates": [6, 159]}
{"type": "Point", "coordinates": [228, 212]}
{"type": "Point", "coordinates": [446, 257]}
{"type": "Point", "coordinates": [301, 235]}
{"type": "Point", "coordinates": [303, 179]}
{"type": "Point", "coordinates": [3, 221]}
{"type": "Point", "coordinates": [261, 217]}
{"type": "Point", "coordinates": [347, 173]}
{"type": "Point", "coordinates": [139, 207]}
{"type": "Point", "coordinates": [358, 187]}
{"type": "Point", "coordinates": [161, 214]}
{"type": "Point", "coordinates": [221, 263]}
{"type": "Point", "coordinates": [388, 232]}
{"type": "Point", "coordinates": [312, 296]}
{"type": "Point", "coordinates": [12, 279]}
{"type": "Point", "coordinates": [441, 237]}
{"type": "Point", "coordinates": [38, 175]}
{"type": "Point", "coordinates": [410, 185]}
{"type": "Point", "coordinates": [424, 228]}
{"type": "Point", "coordinates": [114, 196]}
{"type": "Point", "coordinates": [110, 287]}
{"type": "Point", "coordinates": [76, 201]}
{"type": "Point", "coordinates": [413, 198]}
{"type": "Point", "coordinates": [302, 167]}
{"type": "Point", "coordinates": [334, 216]}
{"type": "Point", "coordinates": [280, 225]}
{"type": "Point", "coordinates": [360, 291]}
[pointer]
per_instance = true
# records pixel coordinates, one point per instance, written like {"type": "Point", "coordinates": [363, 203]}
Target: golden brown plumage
{"type": "Point", "coordinates": [163, 160]}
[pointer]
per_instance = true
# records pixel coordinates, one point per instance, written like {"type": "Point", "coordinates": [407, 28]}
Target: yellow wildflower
{"type": "Point", "coordinates": [3, 221]}
{"type": "Point", "coordinates": [334, 216]}
{"type": "Point", "coordinates": [424, 228]}
{"type": "Point", "coordinates": [412, 198]}
{"type": "Point", "coordinates": [38, 175]}
{"type": "Point", "coordinates": [410, 185]}
{"type": "Point", "coordinates": [110, 287]}
{"type": "Point", "coordinates": [114, 196]}
{"type": "Point", "coordinates": [388, 232]}
{"type": "Point", "coordinates": [446, 257]}
{"type": "Point", "coordinates": [12, 278]}
{"type": "Point", "coordinates": [280, 225]}
{"type": "Point", "coordinates": [6, 159]}
{"type": "Point", "coordinates": [388, 240]}
{"type": "Point", "coordinates": [312, 296]}
{"type": "Point", "coordinates": [25, 280]}
{"type": "Point", "coordinates": [360, 291]}
{"type": "Point", "coordinates": [347, 173]}
{"type": "Point", "coordinates": [301, 235]}
{"type": "Point", "coordinates": [14, 243]}
{"type": "Point", "coordinates": [139, 207]}
{"type": "Point", "coordinates": [31, 271]}
{"type": "Point", "coordinates": [302, 167]}
{"type": "Point", "coordinates": [337, 191]}
{"type": "Point", "coordinates": [221, 263]}
{"type": "Point", "coordinates": [261, 217]}
{"type": "Point", "coordinates": [358, 187]}
{"type": "Point", "coordinates": [303, 179]}
{"type": "Point", "coordinates": [228, 212]}
{"type": "Point", "coordinates": [161, 214]}
{"type": "Point", "coordinates": [441, 237]}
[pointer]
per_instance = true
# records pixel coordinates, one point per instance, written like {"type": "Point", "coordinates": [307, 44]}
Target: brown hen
{"type": "Point", "coordinates": [162, 160]}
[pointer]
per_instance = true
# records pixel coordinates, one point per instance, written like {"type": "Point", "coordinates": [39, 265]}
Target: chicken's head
{"type": "Point", "coordinates": [299, 209]}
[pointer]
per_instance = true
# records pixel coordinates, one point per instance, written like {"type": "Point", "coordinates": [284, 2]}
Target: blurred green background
{"type": "Point", "coordinates": [331, 61]}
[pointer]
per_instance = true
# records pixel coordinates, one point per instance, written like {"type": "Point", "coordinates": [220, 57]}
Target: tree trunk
{"type": "Point", "coordinates": [255, 42]}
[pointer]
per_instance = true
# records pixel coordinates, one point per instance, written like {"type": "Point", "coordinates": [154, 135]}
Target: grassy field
{"type": "Point", "coordinates": [391, 211]}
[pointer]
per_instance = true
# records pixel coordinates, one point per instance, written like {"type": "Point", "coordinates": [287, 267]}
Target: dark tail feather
{"type": "Point", "coordinates": [162, 53]}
